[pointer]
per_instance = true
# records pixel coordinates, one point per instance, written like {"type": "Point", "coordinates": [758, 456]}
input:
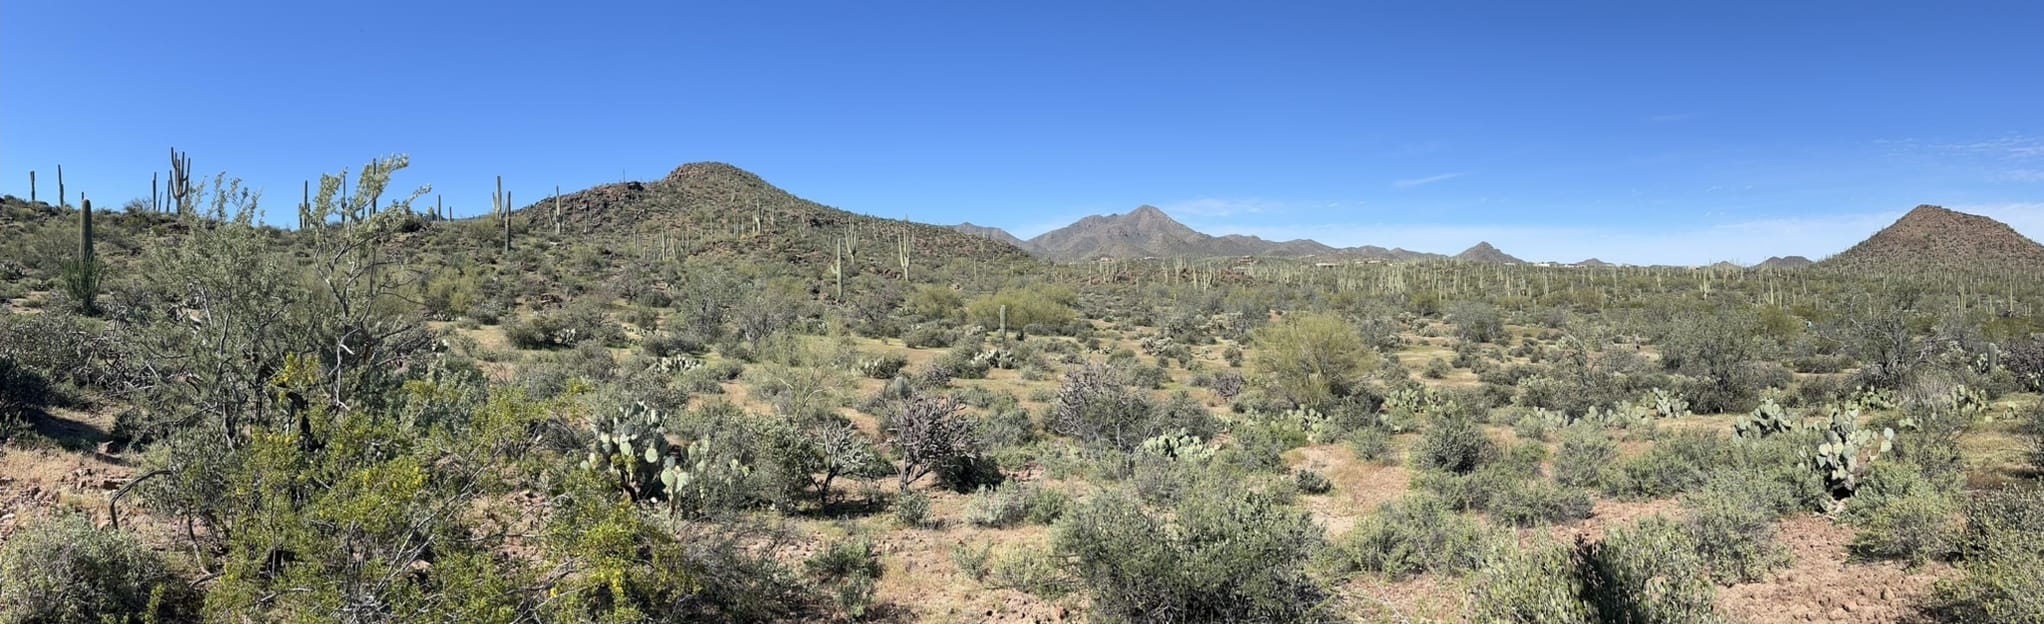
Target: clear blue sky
{"type": "Point", "coordinates": [1632, 131]}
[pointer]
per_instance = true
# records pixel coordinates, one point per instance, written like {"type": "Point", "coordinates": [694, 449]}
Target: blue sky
{"type": "Point", "coordinates": [1680, 132]}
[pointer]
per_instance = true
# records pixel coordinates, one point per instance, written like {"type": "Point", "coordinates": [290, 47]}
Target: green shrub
{"type": "Point", "coordinates": [62, 570]}
{"type": "Point", "coordinates": [1454, 445]}
{"type": "Point", "coordinates": [1373, 444]}
{"type": "Point", "coordinates": [1220, 554]}
{"type": "Point", "coordinates": [1732, 522]}
{"type": "Point", "coordinates": [1029, 568]}
{"type": "Point", "coordinates": [1585, 451]}
{"type": "Point", "coordinates": [999, 506]}
{"type": "Point", "coordinates": [1413, 535]}
{"type": "Point", "coordinates": [1901, 514]}
{"type": "Point", "coordinates": [973, 562]}
{"type": "Point", "coordinates": [1649, 571]}
{"type": "Point", "coordinates": [1533, 584]}
{"type": "Point", "coordinates": [848, 570]}
{"type": "Point", "coordinates": [1680, 463]}
{"type": "Point", "coordinates": [912, 510]}
{"type": "Point", "coordinates": [2002, 561]}
{"type": "Point", "coordinates": [1312, 482]}
{"type": "Point", "coordinates": [1535, 502]}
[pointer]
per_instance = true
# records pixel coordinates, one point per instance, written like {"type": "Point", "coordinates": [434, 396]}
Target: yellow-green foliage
{"type": "Point", "coordinates": [1035, 305]}
{"type": "Point", "coordinates": [1311, 358]}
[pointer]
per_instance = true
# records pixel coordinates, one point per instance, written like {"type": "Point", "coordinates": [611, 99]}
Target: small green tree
{"type": "Point", "coordinates": [1017, 309]}
{"type": "Point", "coordinates": [1311, 359]}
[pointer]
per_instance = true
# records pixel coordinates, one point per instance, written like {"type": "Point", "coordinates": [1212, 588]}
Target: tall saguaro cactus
{"type": "Point", "coordinates": [501, 202]}
{"type": "Point", "coordinates": [31, 186]}
{"type": "Point", "coordinates": [80, 277]}
{"type": "Point", "coordinates": [84, 229]}
{"type": "Point", "coordinates": [181, 182]}
{"type": "Point", "coordinates": [62, 200]}
{"type": "Point", "coordinates": [557, 210]}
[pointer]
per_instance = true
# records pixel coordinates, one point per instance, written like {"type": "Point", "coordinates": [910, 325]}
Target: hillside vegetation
{"type": "Point", "coordinates": [702, 398]}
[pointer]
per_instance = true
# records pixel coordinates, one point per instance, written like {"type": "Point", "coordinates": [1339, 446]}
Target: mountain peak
{"type": "Point", "coordinates": [1934, 238]}
{"type": "Point", "coordinates": [1484, 252]}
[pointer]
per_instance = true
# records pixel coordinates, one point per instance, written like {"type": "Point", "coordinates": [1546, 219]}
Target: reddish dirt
{"type": "Point", "coordinates": [1826, 585]}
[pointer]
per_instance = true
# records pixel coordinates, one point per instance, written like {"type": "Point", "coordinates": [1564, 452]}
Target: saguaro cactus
{"type": "Point", "coordinates": [557, 210]}
{"type": "Point", "coordinates": [500, 202]}
{"type": "Point", "coordinates": [31, 186]}
{"type": "Point", "coordinates": [181, 181]}
{"type": "Point", "coordinates": [62, 200]}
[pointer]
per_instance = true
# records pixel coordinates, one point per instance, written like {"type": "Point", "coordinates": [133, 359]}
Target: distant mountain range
{"type": "Point", "coordinates": [1147, 232]}
{"type": "Point", "coordinates": [1928, 238]}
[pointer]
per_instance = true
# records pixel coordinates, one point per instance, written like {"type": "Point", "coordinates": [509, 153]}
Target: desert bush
{"type": "Point", "coordinates": [1096, 405]}
{"type": "Point", "coordinates": [1312, 482]}
{"type": "Point", "coordinates": [1219, 554]}
{"type": "Point", "coordinates": [1732, 522]}
{"type": "Point", "coordinates": [1533, 584]}
{"type": "Point", "coordinates": [1413, 535]}
{"type": "Point", "coordinates": [1477, 322]}
{"type": "Point", "coordinates": [1453, 445]}
{"type": "Point", "coordinates": [1373, 444]}
{"type": "Point", "coordinates": [1677, 464]}
{"type": "Point", "coordinates": [848, 570]}
{"type": "Point", "coordinates": [1584, 453]}
{"type": "Point", "coordinates": [1649, 571]}
{"type": "Point", "coordinates": [61, 570]}
{"type": "Point", "coordinates": [1901, 514]}
{"type": "Point", "coordinates": [1311, 359]}
{"type": "Point", "coordinates": [1535, 502]}
{"type": "Point", "coordinates": [2002, 560]}
{"type": "Point", "coordinates": [1043, 306]}
{"type": "Point", "coordinates": [1029, 568]}
{"type": "Point", "coordinates": [912, 510]}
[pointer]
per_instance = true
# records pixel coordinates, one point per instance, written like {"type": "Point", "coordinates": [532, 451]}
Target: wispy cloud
{"type": "Point", "coordinates": [1413, 182]}
{"type": "Point", "coordinates": [2021, 175]}
{"type": "Point", "coordinates": [2016, 148]}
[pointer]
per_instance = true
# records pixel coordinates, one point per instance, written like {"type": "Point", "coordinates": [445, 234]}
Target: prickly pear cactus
{"type": "Point", "coordinates": [1847, 450]}
{"type": "Point", "coordinates": [996, 358]}
{"type": "Point", "coordinates": [1666, 404]}
{"type": "Point", "coordinates": [1768, 419]}
{"type": "Point", "coordinates": [631, 448]}
{"type": "Point", "coordinates": [1178, 445]}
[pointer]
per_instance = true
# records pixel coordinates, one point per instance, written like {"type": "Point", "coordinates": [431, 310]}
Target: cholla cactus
{"type": "Point", "coordinates": [1178, 445]}
{"type": "Point", "coordinates": [1847, 450]}
{"type": "Point", "coordinates": [1766, 420]}
{"type": "Point", "coordinates": [1666, 404]}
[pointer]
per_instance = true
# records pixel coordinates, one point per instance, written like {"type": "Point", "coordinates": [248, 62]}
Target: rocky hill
{"type": "Point", "coordinates": [1785, 262]}
{"type": "Point", "coordinates": [991, 233]}
{"type": "Point", "coordinates": [1484, 252]}
{"type": "Point", "coordinates": [715, 208]}
{"type": "Point", "coordinates": [1147, 232]}
{"type": "Point", "coordinates": [1932, 238]}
